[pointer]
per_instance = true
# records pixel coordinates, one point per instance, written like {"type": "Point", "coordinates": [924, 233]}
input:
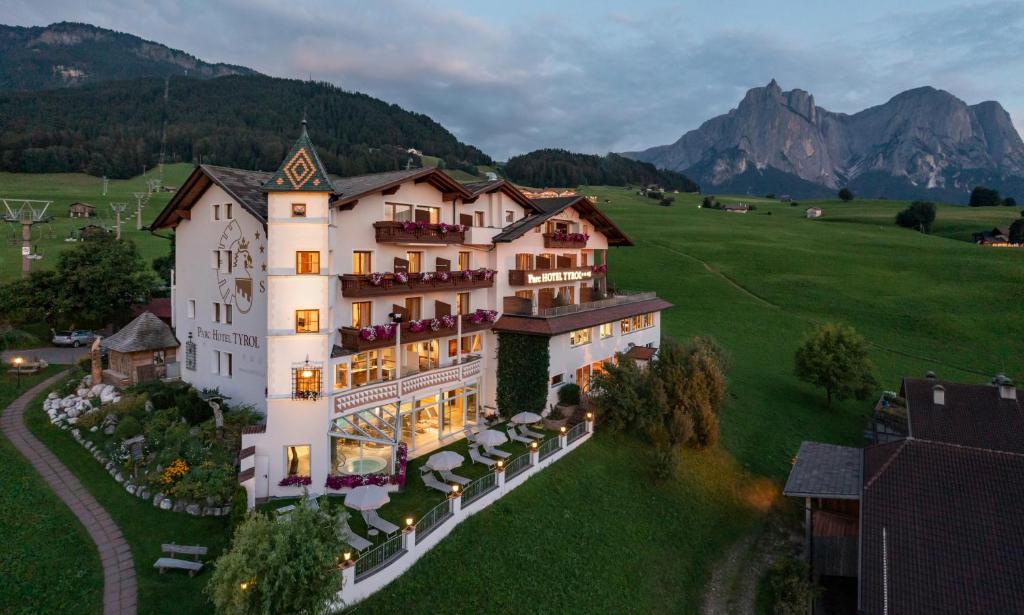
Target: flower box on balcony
{"type": "Point", "coordinates": [376, 284]}
{"type": "Point", "coordinates": [419, 232]}
{"type": "Point", "coordinates": [560, 239]}
{"type": "Point", "coordinates": [359, 340]}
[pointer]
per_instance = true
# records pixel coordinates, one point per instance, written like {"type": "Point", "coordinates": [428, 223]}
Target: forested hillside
{"type": "Point", "coordinates": [115, 128]}
{"type": "Point", "coordinates": [558, 167]}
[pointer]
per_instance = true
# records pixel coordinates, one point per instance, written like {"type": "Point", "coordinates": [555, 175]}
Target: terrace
{"type": "Point", "coordinates": [379, 284]}
{"type": "Point", "coordinates": [419, 233]}
{"type": "Point", "coordinates": [355, 339]}
{"type": "Point", "coordinates": [617, 298]}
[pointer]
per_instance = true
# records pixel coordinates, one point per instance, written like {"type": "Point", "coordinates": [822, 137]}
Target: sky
{"type": "Point", "coordinates": [588, 76]}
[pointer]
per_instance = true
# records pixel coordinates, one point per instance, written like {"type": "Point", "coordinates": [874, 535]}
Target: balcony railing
{"type": "Point", "coordinates": [353, 285]}
{"type": "Point", "coordinates": [416, 232]}
{"type": "Point", "coordinates": [620, 298]}
{"type": "Point", "coordinates": [528, 277]}
{"type": "Point", "coordinates": [354, 340]}
{"type": "Point", "coordinates": [409, 383]}
{"type": "Point", "coordinates": [565, 240]}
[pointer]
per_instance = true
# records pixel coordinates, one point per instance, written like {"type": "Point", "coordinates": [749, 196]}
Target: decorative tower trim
{"type": "Point", "coordinates": [301, 170]}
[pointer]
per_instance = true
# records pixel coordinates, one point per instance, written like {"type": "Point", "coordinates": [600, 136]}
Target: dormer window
{"type": "Point", "coordinates": [298, 210]}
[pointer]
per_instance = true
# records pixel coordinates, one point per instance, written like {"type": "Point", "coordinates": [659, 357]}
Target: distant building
{"type": "Point", "coordinates": [813, 212]}
{"type": "Point", "coordinates": [491, 176]}
{"type": "Point", "coordinates": [92, 231]}
{"type": "Point", "coordinates": [998, 237]}
{"type": "Point", "coordinates": [81, 210]}
{"type": "Point", "coordinates": [736, 208]}
{"type": "Point", "coordinates": [785, 198]}
{"type": "Point", "coordinates": [549, 193]}
{"type": "Point", "coordinates": [414, 151]}
{"type": "Point", "coordinates": [927, 518]}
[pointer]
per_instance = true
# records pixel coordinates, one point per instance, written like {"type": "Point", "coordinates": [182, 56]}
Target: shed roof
{"type": "Point", "coordinates": [146, 332]}
{"type": "Point", "coordinates": [826, 471]}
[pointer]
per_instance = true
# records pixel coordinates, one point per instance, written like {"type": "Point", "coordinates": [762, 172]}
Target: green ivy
{"type": "Point", "coordinates": [522, 372]}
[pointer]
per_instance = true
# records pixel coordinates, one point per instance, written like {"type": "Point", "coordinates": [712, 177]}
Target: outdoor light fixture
{"type": "Point", "coordinates": [408, 521]}
{"type": "Point", "coordinates": [244, 585]}
{"type": "Point", "coordinates": [590, 416]}
{"type": "Point", "coordinates": [455, 488]}
{"type": "Point", "coordinates": [501, 464]}
{"type": "Point", "coordinates": [306, 371]}
{"type": "Point", "coordinates": [533, 444]}
{"type": "Point", "coordinates": [347, 555]}
{"type": "Point", "coordinates": [563, 429]}
{"type": "Point", "coordinates": [17, 368]}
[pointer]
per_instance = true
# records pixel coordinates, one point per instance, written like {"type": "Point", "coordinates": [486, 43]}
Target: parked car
{"type": "Point", "coordinates": [76, 338]}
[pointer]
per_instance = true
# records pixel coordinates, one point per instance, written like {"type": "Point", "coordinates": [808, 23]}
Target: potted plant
{"type": "Point", "coordinates": [554, 421]}
{"type": "Point", "coordinates": [568, 399]}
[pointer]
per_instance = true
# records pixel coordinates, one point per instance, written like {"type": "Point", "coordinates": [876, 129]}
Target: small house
{"type": "Point", "coordinates": [81, 210]}
{"type": "Point", "coordinates": [739, 208]}
{"type": "Point", "coordinates": [999, 236]}
{"type": "Point", "coordinates": [140, 352]}
{"type": "Point", "coordinates": [813, 212]}
{"type": "Point", "coordinates": [92, 231]}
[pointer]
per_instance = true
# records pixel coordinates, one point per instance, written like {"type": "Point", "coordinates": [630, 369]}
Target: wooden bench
{"type": "Point", "coordinates": [173, 563]}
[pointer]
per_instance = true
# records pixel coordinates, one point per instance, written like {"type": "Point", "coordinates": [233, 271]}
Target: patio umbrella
{"type": "Point", "coordinates": [367, 497]}
{"type": "Point", "coordinates": [445, 460]}
{"type": "Point", "coordinates": [525, 418]}
{"type": "Point", "coordinates": [489, 437]}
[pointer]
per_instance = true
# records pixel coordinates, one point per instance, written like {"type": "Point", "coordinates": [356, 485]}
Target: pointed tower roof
{"type": "Point", "coordinates": [301, 170]}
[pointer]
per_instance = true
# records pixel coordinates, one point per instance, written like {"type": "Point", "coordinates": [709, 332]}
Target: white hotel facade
{"type": "Point", "coordinates": [363, 315]}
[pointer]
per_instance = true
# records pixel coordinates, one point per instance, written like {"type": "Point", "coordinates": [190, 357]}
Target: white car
{"type": "Point", "coordinates": [75, 338]}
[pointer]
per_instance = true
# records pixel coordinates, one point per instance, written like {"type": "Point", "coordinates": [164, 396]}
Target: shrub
{"type": "Point", "coordinates": [789, 588]}
{"type": "Point", "coordinates": [92, 419]}
{"type": "Point", "coordinates": [11, 338]}
{"type": "Point", "coordinates": [920, 215]}
{"type": "Point", "coordinates": [130, 405]}
{"type": "Point", "coordinates": [1010, 201]}
{"type": "Point", "coordinates": [984, 197]}
{"type": "Point", "coordinates": [207, 480]}
{"type": "Point", "coordinates": [845, 194]}
{"type": "Point", "coordinates": [569, 394]}
{"type": "Point", "coordinates": [239, 507]}
{"type": "Point", "coordinates": [128, 427]}
{"type": "Point", "coordinates": [192, 407]}
{"type": "Point", "coordinates": [665, 202]}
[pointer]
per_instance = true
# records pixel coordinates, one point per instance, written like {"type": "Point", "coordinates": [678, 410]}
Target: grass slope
{"type": "Point", "coordinates": [66, 188]}
{"type": "Point", "coordinates": [48, 563]}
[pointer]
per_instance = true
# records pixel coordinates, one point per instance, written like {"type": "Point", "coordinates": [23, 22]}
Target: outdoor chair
{"type": "Point", "coordinates": [373, 520]}
{"type": "Point", "coordinates": [523, 429]}
{"type": "Point", "coordinates": [495, 452]}
{"type": "Point", "coordinates": [475, 455]}
{"type": "Point", "coordinates": [354, 540]}
{"type": "Point", "coordinates": [515, 436]}
{"type": "Point", "coordinates": [454, 478]}
{"type": "Point", "coordinates": [470, 436]}
{"type": "Point", "coordinates": [173, 563]}
{"type": "Point", "coordinates": [431, 481]}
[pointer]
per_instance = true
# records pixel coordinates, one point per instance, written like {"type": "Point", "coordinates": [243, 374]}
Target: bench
{"type": "Point", "coordinates": [173, 563]}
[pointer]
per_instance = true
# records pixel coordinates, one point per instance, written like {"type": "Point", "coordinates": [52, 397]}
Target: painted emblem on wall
{"type": "Point", "coordinates": [240, 285]}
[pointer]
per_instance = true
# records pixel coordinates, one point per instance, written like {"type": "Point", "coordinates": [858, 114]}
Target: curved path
{"type": "Point", "coordinates": [115, 555]}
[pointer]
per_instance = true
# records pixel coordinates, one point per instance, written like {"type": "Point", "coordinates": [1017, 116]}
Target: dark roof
{"type": "Point", "coordinates": [555, 325]}
{"type": "Point", "coordinates": [641, 353]}
{"type": "Point", "coordinates": [146, 332]}
{"type": "Point", "coordinates": [549, 208]}
{"type": "Point", "coordinates": [501, 185]}
{"type": "Point", "coordinates": [158, 306]}
{"type": "Point", "coordinates": [826, 471]}
{"type": "Point", "coordinates": [351, 189]}
{"type": "Point", "coordinates": [972, 415]}
{"type": "Point", "coordinates": [301, 170]}
{"type": "Point", "coordinates": [483, 186]}
{"type": "Point", "coordinates": [953, 529]}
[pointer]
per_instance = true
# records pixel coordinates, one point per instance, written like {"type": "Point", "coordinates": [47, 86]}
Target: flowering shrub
{"type": "Point", "coordinates": [401, 277]}
{"type": "Point", "coordinates": [418, 326]}
{"type": "Point", "coordinates": [480, 316]}
{"type": "Point", "coordinates": [599, 268]}
{"type": "Point", "coordinates": [484, 273]}
{"type": "Point", "coordinates": [435, 324]}
{"type": "Point", "coordinates": [444, 276]}
{"type": "Point", "coordinates": [467, 274]}
{"type": "Point", "coordinates": [173, 472]}
{"type": "Point", "coordinates": [426, 276]}
{"type": "Point", "coordinates": [349, 481]}
{"type": "Point", "coordinates": [572, 237]}
{"type": "Point", "coordinates": [449, 322]}
{"type": "Point", "coordinates": [295, 481]}
{"type": "Point", "coordinates": [369, 334]}
{"type": "Point", "coordinates": [415, 227]}
{"type": "Point", "coordinates": [377, 332]}
{"type": "Point", "coordinates": [375, 278]}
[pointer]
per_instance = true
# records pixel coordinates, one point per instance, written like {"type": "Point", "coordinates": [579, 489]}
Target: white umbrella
{"type": "Point", "coordinates": [445, 460]}
{"type": "Point", "coordinates": [489, 437]}
{"type": "Point", "coordinates": [367, 497]}
{"type": "Point", "coordinates": [525, 418]}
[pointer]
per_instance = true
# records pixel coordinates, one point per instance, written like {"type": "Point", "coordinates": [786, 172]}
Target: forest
{"type": "Point", "coordinates": [562, 168]}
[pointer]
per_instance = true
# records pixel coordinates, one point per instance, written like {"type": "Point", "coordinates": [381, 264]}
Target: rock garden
{"type": "Point", "coordinates": [163, 442]}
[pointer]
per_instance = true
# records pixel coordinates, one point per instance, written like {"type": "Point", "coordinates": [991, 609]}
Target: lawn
{"type": "Point", "coordinates": [48, 563]}
{"type": "Point", "coordinates": [66, 188]}
{"type": "Point", "coordinates": [144, 527]}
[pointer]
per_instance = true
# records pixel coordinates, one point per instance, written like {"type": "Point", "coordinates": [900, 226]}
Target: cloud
{"type": "Point", "coordinates": [513, 79]}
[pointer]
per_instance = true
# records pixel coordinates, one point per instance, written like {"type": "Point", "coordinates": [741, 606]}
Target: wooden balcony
{"type": "Point", "coordinates": [352, 340]}
{"type": "Point", "coordinates": [530, 277]}
{"type": "Point", "coordinates": [360, 285]}
{"type": "Point", "coordinates": [406, 232]}
{"type": "Point", "coordinates": [565, 240]}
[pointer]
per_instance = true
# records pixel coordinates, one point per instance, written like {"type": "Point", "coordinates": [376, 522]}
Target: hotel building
{"type": "Point", "coordinates": [363, 315]}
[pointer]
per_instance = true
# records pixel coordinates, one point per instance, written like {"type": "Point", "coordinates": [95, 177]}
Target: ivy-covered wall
{"type": "Point", "coordinates": [523, 363]}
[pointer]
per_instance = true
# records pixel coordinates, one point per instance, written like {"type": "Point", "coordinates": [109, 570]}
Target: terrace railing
{"type": "Point", "coordinates": [379, 556]}
{"type": "Point", "coordinates": [620, 298]}
{"type": "Point", "coordinates": [437, 515]}
{"type": "Point", "coordinates": [548, 448]}
{"type": "Point", "coordinates": [576, 432]}
{"type": "Point", "coordinates": [517, 466]}
{"type": "Point", "coordinates": [479, 488]}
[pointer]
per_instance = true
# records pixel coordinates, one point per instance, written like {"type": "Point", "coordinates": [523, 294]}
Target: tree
{"type": "Point", "coordinates": [835, 358]}
{"type": "Point", "coordinates": [275, 567]}
{"type": "Point", "coordinates": [1016, 234]}
{"type": "Point", "coordinates": [162, 265]}
{"type": "Point", "coordinates": [1010, 201]}
{"type": "Point", "coordinates": [845, 194]}
{"type": "Point", "coordinates": [984, 197]}
{"type": "Point", "coordinates": [920, 215]}
{"type": "Point", "coordinates": [789, 587]}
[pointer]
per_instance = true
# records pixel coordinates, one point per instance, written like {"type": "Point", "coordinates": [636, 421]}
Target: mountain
{"type": "Point", "coordinates": [246, 121]}
{"type": "Point", "coordinates": [922, 143]}
{"type": "Point", "coordinates": [69, 54]}
{"type": "Point", "coordinates": [558, 167]}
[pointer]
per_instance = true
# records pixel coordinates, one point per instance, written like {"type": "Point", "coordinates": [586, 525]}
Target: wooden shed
{"type": "Point", "coordinates": [140, 351]}
{"type": "Point", "coordinates": [81, 210]}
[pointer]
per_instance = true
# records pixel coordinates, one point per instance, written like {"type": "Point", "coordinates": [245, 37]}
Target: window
{"type": "Point", "coordinates": [397, 212]}
{"type": "Point", "coordinates": [606, 330]}
{"type": "Point", "coordinates": [215, 364]}
{"type": "Point", "coordinates": [478, 218]}
{"type": "Point", "coordinates": [464, 261]}
{"type": "Point", "coordinates": [362, 262]}
{"type": "Point", "coordinates": [296, 458]}
{"type": "Point", "coordinates": [307, 321]}
{"type": "Point", "coordinates": [305, 382]}
{"type": "Point", "coordinates": [584, 259]}
{"type": "Point", "coordinates": [362, 314]}
{"type": "Point", "coordinates": [191, 308]}
{"type": "Point", "coordinates": [216, 211]}
{"type": "Point", "coordinates": [298, 210]}
{"type": "Point", "coordinates": [624, 325]}
{"type": "Point", "coordinates": [227, 313]}
{"type": "Point", "coordinates": [638, 322]}
{"type": "Point", "coordinates": [216, 260]}
{"type": "Point", "coordinates": [524, 261]}
{"type": "Point", "coordinates": [341, 376]}
{"type": "Point", "coordinates": [470, 345]}
{"type": "Point", "coordinates": [462, 303]}
{"type": "Point", "coordinates": [579, 337]}
{"type": "Point", "coordinates": [227, 211]}
{"type": "Point", "coordinates": [415, 261]}
{"type": "Point", "coordinates": [227, 260]}
{"type": "Point", "coordinates": [364, 368]}
{"type": "Point", "coordinates": [414, 307]}
{"type": "Point", "coordinates": [510, 216]}
{"type": "Point", "coordinates": [159, 357]}
{"type": "Point", "coordinates": [222, 364]}
{"type": "Point", "coordinates": [568, 294]}
{"type": "Point", "coordinates": [307, 263]}
{"type": "Point", "coordinates": [216, 312]}
{"type": "Point", "coordinates": [557, 379]}
{"type": "Point", "coordinates": [572, 259]}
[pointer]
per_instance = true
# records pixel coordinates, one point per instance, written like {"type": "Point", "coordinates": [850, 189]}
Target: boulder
{"type": "Point", "coordinates": [166, 504]}
{"type": "Point", "coordinates": [157, 498]}
{"type": "Point", "coordinates": [143, 493]}
{"type": "Point", "coordinates": [130, 488]}
{"type": "Point", "coordinates": [53, 395]}
{"type": "Point", "coordinates": [119, 477]}
{"type": "Point", "coordinates": [109, 430]}
{"type": "Point", "coordinates": [82, 392]}
{"type": "Point", "coordinates": [179, 506]}
{"type": "Point", "coordinates": [94, 428]}
{"type": "Point", "coordinates": [194, 510]}
{"type": "Point", "coordinates": [73, 420]}
{"type": "Point", "coordinates": [73, 412]}
{"type": "Point", "coordinates": [96, 390]}
{"type": "Point", "coordinates": [149, 406]}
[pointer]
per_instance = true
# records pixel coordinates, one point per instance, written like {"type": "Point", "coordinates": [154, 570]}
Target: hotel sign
{"type": "Point", "coordinates": [548, 277]}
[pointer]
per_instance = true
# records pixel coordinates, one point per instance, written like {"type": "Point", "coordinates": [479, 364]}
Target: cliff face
{"type": "Point", "coordinates": [921, 140]}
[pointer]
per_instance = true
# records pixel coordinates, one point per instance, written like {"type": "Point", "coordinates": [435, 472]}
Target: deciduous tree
{"type": "Point", "coordinates": [846, 194]}
{"type": "Point", "coordinates": [835, 358]}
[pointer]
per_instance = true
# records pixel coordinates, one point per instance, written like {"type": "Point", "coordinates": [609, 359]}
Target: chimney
{"type": "Point", "coordinates": [1007, 390]}
{"type": "Point", "coordinates": [939, 395]}
{"type": "Point", "coordinates": [930, 375]}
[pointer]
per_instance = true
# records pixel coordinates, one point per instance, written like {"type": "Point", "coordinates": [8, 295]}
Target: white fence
{"type": "Point", "coordinates": [391, 559]}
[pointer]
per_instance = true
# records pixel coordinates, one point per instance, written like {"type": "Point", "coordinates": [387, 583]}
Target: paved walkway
{"type": "Point", "coordinates": [55, 355]}
{"type": "Point", "coordinates": [115, 555]}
